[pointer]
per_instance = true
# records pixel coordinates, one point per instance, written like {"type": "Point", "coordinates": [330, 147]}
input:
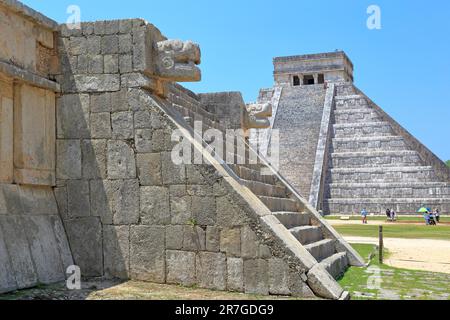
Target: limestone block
{"type": "Point", "coordinates": [94, 159]}
{"type": "Point", "coordinates": [204, 210]}
{"type": "Point", "coordinates": [125, 26]}
{"type": "Point", "coordinates": [97, 83]}
{"type": "Point", "coordinates": [34, 135]}
{"type": "Point", "coordinates": [142, 119]}
{"type": "Point", "coordinates": [7, 280]}
{"type": "Point", "coordinates": [110, 44]}
{"type": "Point", "coordinates": [161, 140]}
{"type": "Point", "coordinates": [147, 254]}
{"type": "Point", "coordinates": [61, 242]}
{"type": "Point", "coordinates": [68, 165]}
{"type": "Point", "coordinates": [249, 243]}
{"type": "Point", "coordinates": [194, 238]}
{"type": "Point", "coordinates": [85, 238]}
{"type": "Point", "coordinates": [180, 205]}
{"type": "Point", "coordinates": [121, 162]}
{"type": "Point", "coordinates": [180, 267]}
{"type": "Point", "coordinates": [78, 200]}
{"type": "Point", "coordinates": [116, 251]}
{"type": "Point", "coordinates": [155, 208]}
{"type": "Point", "coordinates": [172, 173]}
{"type": "Point", "coordinates": [235, 274]}
{"type": "Point", "coordinates": [227, 213]}
{"type": "Point", "coordinates": [212, 239]}
{"type": "Point", "coordinates": [100, 102]}
{"type": "Point", "coordinates": [125, 43]}
{"type": "Point", "coordinates": [111, 63]}
{"type": "Point", "coordinates": [230, 242]}
{"type": "Point", "coordinates": [6, 138]}
{"type": "Point", "coordinates": [149, 169]}
{"type": "Point", "coordinates": [100, 206]}
{"type": "Point", "coordinates": [123, 198]}
{"type": "Point", "coordinates": [279, 277]}
{"type": "Point", "coordinates": [122, 125]}
{"type": "Point", "coordinates": [72, 112]}
{"type": "Point", "coordinates": [100, 125]}
{"type": "Point", "coordinates": [119, 101]}
{"type": "Point", "coordinates": [125, 63]}
{"type": "Point", "coordinates": [17, 246]}
{"type": "Point", "coordinates": [37, 200]}
{"type": "Point", "coordinates": [111, 26]}
{"type": "Point", "coordinates": [174, 239]}
{"type": "Point", "coordinates": [256, 276]}
{"type": "Point", "coordinates": [93, 45]}
{"type": "Point", "coordinates": [211, 270]}
{"type": "Point", "coordinates": [44, 249]}
{"type": "Point", "coordinates": [323, 284]}
{"type": "Point", "coordinates": [10, 201]}
{"type": "Point", "coordinates": [95, 64]}
{"type": "Point", "coordinates": [143, 140]}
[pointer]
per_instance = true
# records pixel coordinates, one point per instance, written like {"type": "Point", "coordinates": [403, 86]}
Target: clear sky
{"type": "Point", "coordinates": [404, 67]}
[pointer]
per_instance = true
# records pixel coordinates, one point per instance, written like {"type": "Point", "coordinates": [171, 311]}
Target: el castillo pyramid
{"type": "Point", "coordinates": [93, 124]}
{"type": "Point", "coordinates": [340, 150]}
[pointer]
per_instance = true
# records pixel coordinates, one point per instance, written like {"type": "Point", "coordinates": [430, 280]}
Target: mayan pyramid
{"type": "Point", "coordinates": [342, 151]}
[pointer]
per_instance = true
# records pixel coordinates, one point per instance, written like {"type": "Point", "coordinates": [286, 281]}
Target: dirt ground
{"type": "Point", "coordinates": [416, 254]}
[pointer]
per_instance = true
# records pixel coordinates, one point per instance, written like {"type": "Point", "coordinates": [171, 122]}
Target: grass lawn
{"type": "Point", "coordinates": [441, 232]}
{"type": "Point", "coordinates": [383, 282]}
{"type": "Point", "coordinates": [383, 218]}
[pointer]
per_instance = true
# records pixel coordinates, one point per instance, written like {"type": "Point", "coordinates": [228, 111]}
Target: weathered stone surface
{"type": "Point", "coordinates": [174, 237]}
{"type": "Point", "coordinates": [279, 277]}
{"type": "Point", "coordinates": [212, 239]}
{"type": "Point", "coordinates": [149, 169]}
{"type": "Point", "coordinates": [180, 205]}
{"type": "Point", "coordinates": [211, 270]}
{"type": "Point", "coordinates": [180, 267]}
{"type": "Point", "coordinates": [155, 208]}
{"type": "Point", "coordinates": [101, 102]}
{"type": "Point", "coordinates": [101, 125]}
{"type": "Point", "coordinates": [116, 251]}
{"type": "Point", "coordinates": [122, 125]}
{"type": "Point", "coordinates": [37, 200]}
{"type": "Point", "coordinates": [147, 255]}
{"type": "Point", "coordinates": [121, 161]}
{"type": "Point", "coordinates": [85, 238]}
{"type": "Point", "coordinates": [249, 243]}
{"type": "Point", "coordinates": [111, 63]}
{"type": "Point", "coordinates": [230, 242]}
{"type": "Point", "coordinates": [143, 140]}
{"type": "Point", "coordinates": [68, 159]}
{"type": "Point", "coordinates": [323, 284]}
{"type": "Point", "coordinates": [61, 242]}
{"type": "Point", "coordinates": [123, 199]}
{"type": "Point", "coordinates": [235, 274]}
{"type": "Point", "coordinates": [97, 83]}
{"type": "Point", "coordinates": [227, 213]}
{"type": "Point", "coordinates": [194, 238]}
{"type": "Point", "coordinates": [204, 210]}
{"type": "Point", "coordinates": [172, 173]}
{"type": "Point", "coordinates": [94, 159]}
{"type": "Point", "coordinates": [78, 198]}
{"type": "Point", "coordinates": [72, 112]}
{"type": "Point", "coordinates": [256, 276]}
{"type": "Point", "coordinates": [7, 280]}
{"type": "Point", "coordinates": [100, 205]}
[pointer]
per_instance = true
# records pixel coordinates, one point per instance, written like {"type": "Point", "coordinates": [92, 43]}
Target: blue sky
{"type": "Point", "coordinates": [404, 67]}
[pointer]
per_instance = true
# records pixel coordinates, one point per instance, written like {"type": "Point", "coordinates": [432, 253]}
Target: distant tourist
{"type": "Point", "coordinates": [364, 216]}
{"type": "Point", "coordinates": [388, 214]}
{"type": "Point", "coordinates": [437, 215]}
{"type": "Point", "coordinates": [393, 214]}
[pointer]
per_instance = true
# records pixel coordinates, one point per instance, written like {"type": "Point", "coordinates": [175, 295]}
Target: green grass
{"type": "Point", "coordinates": [383, 218]}
{"type": "Point", "coordinates": [395, 283]}
{"type": "Point", "coordinates": [440, 232]}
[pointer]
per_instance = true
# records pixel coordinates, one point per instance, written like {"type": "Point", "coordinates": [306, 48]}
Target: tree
{"type": "Point", "coordinates": [448, 163]}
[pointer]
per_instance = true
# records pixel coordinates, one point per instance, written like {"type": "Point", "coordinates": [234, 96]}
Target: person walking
{"type": "Point", "coordinates": [437, 216]}
{"type": "Point", "coordinates": [364, 216]}
{"type": "Point", "coordinates": [393, 214]}
{"type": "Point", "coordinates": [388, 214]}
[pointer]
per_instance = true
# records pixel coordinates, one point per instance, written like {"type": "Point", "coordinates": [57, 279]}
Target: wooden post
{"type": "Point", "coordinates": [380, 244]}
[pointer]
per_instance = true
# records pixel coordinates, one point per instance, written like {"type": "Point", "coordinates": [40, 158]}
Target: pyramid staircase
{"type": "Point", "coordinates": [373, 166]}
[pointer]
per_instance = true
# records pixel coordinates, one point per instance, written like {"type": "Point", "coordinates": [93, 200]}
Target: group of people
{"type": "Point", "coordinates": [432, 218]}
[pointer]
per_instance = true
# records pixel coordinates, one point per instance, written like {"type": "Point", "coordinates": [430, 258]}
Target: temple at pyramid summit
{"type": "Point", "coordinates": [339, 149]}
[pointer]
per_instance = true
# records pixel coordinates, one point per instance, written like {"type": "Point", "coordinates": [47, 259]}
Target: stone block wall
{"type": "Point", "coordinates": [128, 210]}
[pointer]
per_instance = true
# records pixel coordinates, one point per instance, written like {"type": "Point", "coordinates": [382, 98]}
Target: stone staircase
{"type": "Point", "coordinates": [294, 217]}
{"type": "Point", "coordinates": [371, 166]}
{"type": "Point", "coordinates": [293, 214]}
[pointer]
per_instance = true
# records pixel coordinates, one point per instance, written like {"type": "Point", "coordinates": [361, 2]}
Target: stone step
{"type": "Point", "coordinates": [307, 234]}
{"type": "Point", "coordinates": [351, 102]}
{"type": "Point", "coordinates": [293, 219]}
{"type": "Point", "coordinates": [358, 129]}
{"type": "Point", "coordinates": [322, 249]}
{"type": "Point", "coordinates": [253, 175]}
{"type": "Point", "coordinates": [379, 205]}
{"type": "Point", "coordinates": [264, 189]}
{"type": "Point", "coordinates": [373, 143]}
{"type": "Point", "coordinates": [382, 174]}
{"type": "Point", "coordinates": [390, 190]}
{"type": "Point", "coordinates": [280, 204]}
{"type": "Point", "coordinates": [336, 265]}
{"type": "Point", "coordinates": [375, 159]}
{"type": "Point", "coordinates": [345, 89]}
{"type": "Point", "coordinates": [356, 115]}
